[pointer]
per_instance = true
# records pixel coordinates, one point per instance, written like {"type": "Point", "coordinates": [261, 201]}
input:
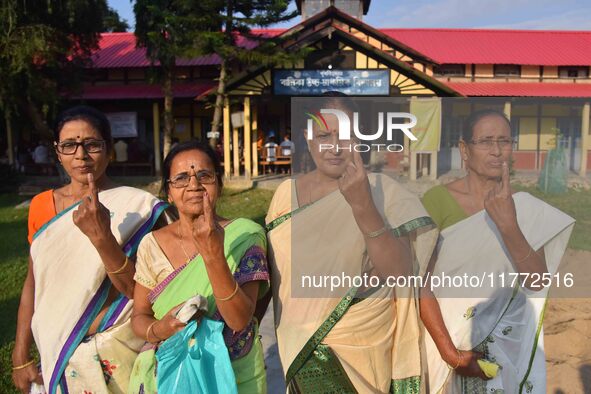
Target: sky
{"type": "Point", "coordinates": [494, 14]}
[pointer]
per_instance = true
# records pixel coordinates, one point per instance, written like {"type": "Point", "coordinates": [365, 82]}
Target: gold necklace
{"type": "Point", "coordinates": [182, 245]}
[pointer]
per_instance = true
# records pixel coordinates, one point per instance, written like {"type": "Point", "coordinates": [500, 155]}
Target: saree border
{"type": "Point", "coordinates": [412, 225]}
{"type": "Point", "coordinates": [131, 246]}
{"type": "Point", "coordinates": [410, 385]}
{"type": "Point", "coordinates": [283, 218]}
{"type": "Point", "coordinates": [56, 217]}
{"type": "Point", "coordinates": [112, 313]}
{"type": "Point", "coordinates": [322, 331]}
{"type": "Point", "coordinates": [78, 333]}
{"type": "Point", "coordinates": [534, 347]}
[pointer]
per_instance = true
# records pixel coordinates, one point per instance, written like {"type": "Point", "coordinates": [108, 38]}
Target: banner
{"type": "Point", "coordinates": [428, 127]}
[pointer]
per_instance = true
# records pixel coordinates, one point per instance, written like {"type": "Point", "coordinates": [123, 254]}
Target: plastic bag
{"type": "Point", "coordinates": [196, 360]}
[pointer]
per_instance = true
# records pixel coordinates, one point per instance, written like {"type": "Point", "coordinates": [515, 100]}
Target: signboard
{"type": "Point", "coordinates": [316, 82]}
{"type": "Point", "coordinates": [123, 124]}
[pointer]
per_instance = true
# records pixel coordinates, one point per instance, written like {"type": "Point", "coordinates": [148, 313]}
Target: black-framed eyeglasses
{"type": "Point", "coordinates": [183, 180]}
{"type": "Point", "coordinates": [90, 146]}
{"type": "Point", "coordinates": [487, 144]}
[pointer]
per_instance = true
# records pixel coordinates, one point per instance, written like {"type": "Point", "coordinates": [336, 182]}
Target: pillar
{"type": "Point", "coordinates": [507, 109]}
{"type": "Point", "coordinates": [235, 152]}
{"type": "Point", "coordinates": [156, 121]}
{"type": "Point", "coordinates": [247, 139]}
{"type": "Point", "coordinates": [433, 166]}
{"type": "Point", "coordinates": [227, 140]}
{"type": "Point", "coordinates": [584, 138]}
{"type": "Point", "coordinates": [412, 166]}
{"type": "Point", "coordinates": [255, 137]}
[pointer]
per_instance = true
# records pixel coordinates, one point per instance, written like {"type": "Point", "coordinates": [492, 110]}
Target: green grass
{"type": "Point", "coordinates": [576, 203]}
{"type": "Point", "coordinates": [13, 265]}
{"type": "Point", "coordinates": [251, 204]}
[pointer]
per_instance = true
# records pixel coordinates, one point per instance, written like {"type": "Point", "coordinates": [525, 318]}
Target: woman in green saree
{"type": "Point", "coordinates": [200, 254]}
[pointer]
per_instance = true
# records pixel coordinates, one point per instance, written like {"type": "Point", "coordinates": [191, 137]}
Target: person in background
{"type": "Point", "coordinates": [41, 157]}
{"type": "Point", "coordinates": [23, 156]}
{"type": "Point", "coordinates": [120, 151]}
{"type": "Point", "coordinates": [271, 151]}
{"type": "Point", "coordinates": [41, 153]}
{"type": "Point", "coordinates": [287, 147]}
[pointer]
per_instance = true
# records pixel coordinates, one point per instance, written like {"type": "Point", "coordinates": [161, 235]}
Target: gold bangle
{"type": "Point", "coordinates": [148, 332]}
{"type": "Point", "coordinates": [120, 269]}
{"type": "Point", "coordinates": [25, 365]}
{"type": "Point", "coordinates": [228, 297]}
{"type": "Point", "coordinates": [377, 233]}
{"type": "Point", "coordinates": [526, 257]}
{"type": "Point", "coordinates": [459, 360]}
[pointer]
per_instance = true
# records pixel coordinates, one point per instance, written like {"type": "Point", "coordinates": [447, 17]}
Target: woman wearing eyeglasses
{"type": "Point", "coordinates": [202, 254]}
{"type": "Point", "coordinates": [487, 337]}
{"type": "Point", "coordinates": [76, 297]}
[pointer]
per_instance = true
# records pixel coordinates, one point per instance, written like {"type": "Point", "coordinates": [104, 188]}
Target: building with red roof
{"type": "Point", "coordinates": [540, 79]}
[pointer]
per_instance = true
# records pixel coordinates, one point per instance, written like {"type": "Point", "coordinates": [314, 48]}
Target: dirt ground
{"type": "Point", "coordinates": [567, 327]}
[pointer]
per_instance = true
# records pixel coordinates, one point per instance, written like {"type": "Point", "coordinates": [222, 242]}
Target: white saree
{"type": "Point", "coordinates": [504, 323]}
{"type": "Point", "coordinates": [376, 340]}
{"type": "Point", "coordinates": [71, 287]}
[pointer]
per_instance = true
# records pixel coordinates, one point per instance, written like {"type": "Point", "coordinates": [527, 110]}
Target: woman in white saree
{"type": "Point", "coordinates": [489, 233]}
{"type": "Point", "coordinates": [76, 300]}
{"type": "Point", "coordinates": [341, 220]}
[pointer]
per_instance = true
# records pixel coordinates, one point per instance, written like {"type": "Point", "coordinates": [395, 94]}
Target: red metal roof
{"type": "Point", "coordinates": [117, 50]}
{"type": "Point", "coordinates": [522, 89]}
{"type": "Point", "coordinates": [446, 46]}
{"type": "Point", "coordinates": [144, 91]}
{"type": "Point", "coordinates": [479, 46]}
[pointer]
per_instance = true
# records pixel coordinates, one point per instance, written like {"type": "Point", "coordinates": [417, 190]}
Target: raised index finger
{"type": "Point", "coordinates": [92, 188]}
{"type": "Point", "coordinates": [207, 209]}
{"type": "Point", "coordinates": [505, 184]}
{"type": "Point", "coordinates": [357, 160]}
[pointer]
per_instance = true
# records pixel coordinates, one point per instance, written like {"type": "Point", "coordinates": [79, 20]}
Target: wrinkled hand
{"type": "Point", "coordinates": [92, 217]}
{"type": "Point", "coordinates": [208, 234]}
{"type": "Point", "coordinates": [23, 378]}
{"type": "Point", "coordinates": [168, 325]}
{"type": "Point", "coordinates": [469, 365]}
{"type": "Point", "coordinates": [499, 202]}
{"type": "Point", "coordinates": [354, 184]}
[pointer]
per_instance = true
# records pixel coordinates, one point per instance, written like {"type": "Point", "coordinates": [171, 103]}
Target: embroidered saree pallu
{"type": "Point", "coordinates": [345, 343]}
{"type": "Point", "coordinates": [503, 322]}
{"type": "Point", "coordinates": [71, 288]}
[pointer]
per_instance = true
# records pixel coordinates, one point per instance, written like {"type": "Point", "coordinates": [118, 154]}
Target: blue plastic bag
{"type": "Point", "coordinates": [195, 360]}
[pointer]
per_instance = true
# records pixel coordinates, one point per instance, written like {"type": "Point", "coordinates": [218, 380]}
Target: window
{"type": "Point", "coordinates": [450, 70]}
{"type": "Point", "coordinates": [573, 72]}
{"type": "Point", "coordinates": [507, 70]}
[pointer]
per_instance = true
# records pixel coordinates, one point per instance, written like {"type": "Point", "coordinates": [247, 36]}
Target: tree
{"type": "Point", "coordinates": [43, 52]}
{"type": "Point", "coordinates": [113, 23]}
{"type": "Point", "coordinates": [238, 18]}
{"type": "Point", "coordinates": [170, 30]}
